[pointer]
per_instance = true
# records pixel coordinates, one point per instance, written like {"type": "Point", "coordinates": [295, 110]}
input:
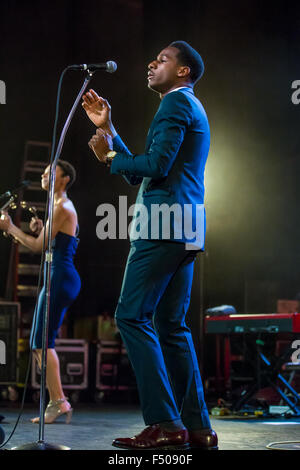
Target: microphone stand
{"type": "Point", "coordinates": [41, 444]}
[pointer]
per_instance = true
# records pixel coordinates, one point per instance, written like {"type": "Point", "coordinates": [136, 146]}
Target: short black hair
{"type": "Point", "coordinates": [68, 170]}
{"type": "Point", "coordinates": [187, 55]}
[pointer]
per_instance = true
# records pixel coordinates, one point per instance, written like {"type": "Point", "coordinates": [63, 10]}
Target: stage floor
{"type": "Point", "coordinates": [94, 427]}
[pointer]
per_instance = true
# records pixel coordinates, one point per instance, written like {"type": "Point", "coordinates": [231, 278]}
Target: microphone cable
{"type": "Point", "coordinates": [41, 263]}
{"type": "Point", "coordinates": [30, 344]}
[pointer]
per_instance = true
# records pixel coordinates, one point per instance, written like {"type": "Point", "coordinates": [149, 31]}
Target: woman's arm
{"type": "Point", "coordinates": [35, 244]}
{"type": "Point", "coordinates": [36, 225]}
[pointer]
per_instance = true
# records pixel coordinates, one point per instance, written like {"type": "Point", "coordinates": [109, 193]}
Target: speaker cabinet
{"type": "Point", "coordinates": [9, 322]}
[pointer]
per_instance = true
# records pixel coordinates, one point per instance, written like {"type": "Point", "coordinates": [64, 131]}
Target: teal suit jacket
{"type": "Point", "coordinates": [171, 172]}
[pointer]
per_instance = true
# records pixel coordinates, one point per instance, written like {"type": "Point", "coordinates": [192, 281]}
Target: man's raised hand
{"type": "Point", "coordinates": [98, 110]}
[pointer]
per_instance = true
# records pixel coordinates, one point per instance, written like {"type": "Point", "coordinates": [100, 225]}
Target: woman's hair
{"type": "Point", "coordinates": [68, 170]}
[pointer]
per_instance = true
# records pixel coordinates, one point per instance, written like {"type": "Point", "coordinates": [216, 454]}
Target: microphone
{"type": "Point", "coordinates": [23, 184]}
{"type": "Point", "coordinates": [109, 67]}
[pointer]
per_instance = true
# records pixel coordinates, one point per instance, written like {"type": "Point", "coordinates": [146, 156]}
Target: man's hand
{"type": "Point", "coordinates": [101, 144]}
{"type": "Point", "coordinates": [98, 110]}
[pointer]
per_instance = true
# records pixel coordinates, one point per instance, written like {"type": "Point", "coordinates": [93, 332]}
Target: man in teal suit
{"type": "Point", "coordinates": [157, 282]}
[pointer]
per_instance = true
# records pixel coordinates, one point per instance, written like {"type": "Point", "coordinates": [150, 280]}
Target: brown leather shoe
{"type": "Point", "coordinates": [154, 437]}
{"type": "Point", "coordinates": [203, 439]}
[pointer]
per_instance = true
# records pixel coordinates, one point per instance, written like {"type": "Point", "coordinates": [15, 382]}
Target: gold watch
{"type": "Point", "coordinates": [109, 157]}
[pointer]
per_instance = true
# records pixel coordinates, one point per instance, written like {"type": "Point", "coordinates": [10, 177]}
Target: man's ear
{"type": "Point", "coordinates": [184, 71]}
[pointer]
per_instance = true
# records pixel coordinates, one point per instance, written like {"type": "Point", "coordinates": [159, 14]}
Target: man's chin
{"type": "Point", "coordinates": [153, 88]}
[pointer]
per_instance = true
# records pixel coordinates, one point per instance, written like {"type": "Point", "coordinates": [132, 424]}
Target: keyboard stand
{"type": "Point", "coordinates": [268, 374]}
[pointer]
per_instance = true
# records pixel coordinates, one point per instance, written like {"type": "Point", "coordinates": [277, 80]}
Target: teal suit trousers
{"type": "Point", "coordinates": [150, 315]}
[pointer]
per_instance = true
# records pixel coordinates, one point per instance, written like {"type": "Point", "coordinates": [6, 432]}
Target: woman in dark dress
{"type": "Point", "coordinates": [65, 280]}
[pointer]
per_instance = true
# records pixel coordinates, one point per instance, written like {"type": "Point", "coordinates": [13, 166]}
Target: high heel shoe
{"type": "Point", "coordinates": [53, 411]}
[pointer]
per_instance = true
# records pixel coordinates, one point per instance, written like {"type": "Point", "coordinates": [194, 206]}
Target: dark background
{"type": "Point", "coordinates": [251, 52]}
